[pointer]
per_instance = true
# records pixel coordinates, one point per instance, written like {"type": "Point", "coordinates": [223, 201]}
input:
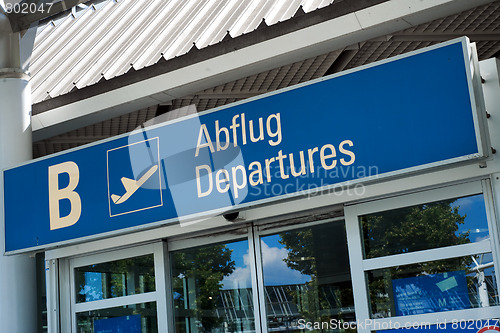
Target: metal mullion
{"type": "Point", "coordinates": [276, 230]}
{"type": "Point", "coordinates": [427, 255]}
{"type": "Point", "coordinates": [66, 315]}
{"type": "Point", "coordinates": [208, 239]}
{"type": "Point", "coordinates": [358, 276]}
{"type": "Point", "coordinates": [168, 289]}
{"type": "Point", "coordinates": [72, 293]}
{"type": "Point", "coordinates": [161, 286]}
{"type": "Point", "coordinates": [426, 196]}
{"type": "Point", "coordinates": [114, 302]}
{"type": "Point", "coordinates": [99, 258]}
{"type": "Point", "coordinates": [259, 296]}
{"type": "Point", "coordinates": [493, 225]}
{"type": "Point", "coordinates": [53, 295]}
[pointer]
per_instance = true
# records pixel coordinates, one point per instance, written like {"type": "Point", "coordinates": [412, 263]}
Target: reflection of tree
{"type": "Point", "coordinates": [141, 270]}
{"type": "Point", "coordinates": [410, 229]}
{"type": "Point", "coordinates": [413, 228]}
{"type": "Point", "coordinates": [202, 270]}
{"type": "Point", "coordinates": [300, 251]}
{"type": "Point", "coordinates": [301, 258]}
{"type": "Point", "coordinates": [117, 278]}
{"type": "Point", "coordinates": [321, 253]}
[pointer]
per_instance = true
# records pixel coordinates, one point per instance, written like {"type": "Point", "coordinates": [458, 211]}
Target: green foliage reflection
{"type": "Point", "coordinates": [197, 281]}
{"type": "Point", "coordinates": [410, 229]}
{"type": "Point", "coordinates": [320, 252]}
{"type": "Point", "coordinates": [115, 279]}
{"type": "Point", "coordinates": [413, 228]}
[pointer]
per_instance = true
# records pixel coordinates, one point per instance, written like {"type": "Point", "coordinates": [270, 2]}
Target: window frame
{"type": "Point", "coordinates": [63, 308]}
{"type": "Point", "coordinates": [253, 233]}
{"type": "Point", "coordinates": [271, 229]}
{"type": "Point", "coordinates": [238, 233]}
{"type": "Point", "coordinates": [70, 308]}
{"type": "Point", "coordinates": [359, 265]}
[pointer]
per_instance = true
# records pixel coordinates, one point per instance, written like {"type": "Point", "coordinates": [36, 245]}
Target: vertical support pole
{"type": "Point", "coordinates": [258, 288]}
{"type": "Point", "coordinates": [358, 277]}
{"type": "Point", "coordinates": [164, 300]}
{"type": "Point", "coordinates": [51, 273]}
{"type": "Point", "coordinates": [490, 72]}
{"type": "Point", "coordinates": [17, 273]}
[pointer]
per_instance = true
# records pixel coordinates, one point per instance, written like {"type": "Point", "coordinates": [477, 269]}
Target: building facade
{"type": "Point", "coordinates": [314, 165]}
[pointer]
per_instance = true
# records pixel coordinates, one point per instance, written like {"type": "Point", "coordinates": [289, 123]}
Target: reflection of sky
{"type": "Point", "coordinates": [276, 272]}
{"type": "Point", "coordinates": [241, 277]}
{"type": "Point", "coordinates": [474, 209]}
{"type": "Point", "coordinates": [239, 250]}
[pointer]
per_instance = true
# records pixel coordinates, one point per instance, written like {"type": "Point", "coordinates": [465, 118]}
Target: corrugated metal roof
{"type": "Point", "coordinates": [221, 95]}
{"type": "Point", "coordinates": [107, 38]}
{"type": "Point", "coordinates": [481, 24]}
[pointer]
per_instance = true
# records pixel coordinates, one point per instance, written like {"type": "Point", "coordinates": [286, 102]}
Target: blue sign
{"type": "Point", "coordinates": [431, 293]}
{"type": "Point", "coordinates": [124, 324]}
{"type": "Point", "coordinates": [397, 116]}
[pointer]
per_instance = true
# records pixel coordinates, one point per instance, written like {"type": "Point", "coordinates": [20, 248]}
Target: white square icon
{"type": "Point", "coordinates": [134, 178]}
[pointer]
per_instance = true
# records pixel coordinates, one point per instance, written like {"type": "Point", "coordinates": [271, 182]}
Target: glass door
{"type": "Point", "coordinates": [252, 278]}
{"type": "Point", "coordinates": [120, 291]}
{"type": "Point", "coordinates": [213, 284]}
{"type": "Point", "coordinates": [306, 278]}
{"type": "Point", "coordinates": [258, 279]}
{"type": "Point", "coordinates": [425, 258]}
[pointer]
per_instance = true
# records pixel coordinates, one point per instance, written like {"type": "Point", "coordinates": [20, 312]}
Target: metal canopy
{"type": "Point", "coordinates": [396, 34]}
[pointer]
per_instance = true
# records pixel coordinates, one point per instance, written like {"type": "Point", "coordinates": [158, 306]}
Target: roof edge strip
{"type": "Point", "coordinates": [295, 23]}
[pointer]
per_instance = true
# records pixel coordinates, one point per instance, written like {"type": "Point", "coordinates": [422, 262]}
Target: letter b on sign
{"type": "Point", "coordinates": [57, 194]}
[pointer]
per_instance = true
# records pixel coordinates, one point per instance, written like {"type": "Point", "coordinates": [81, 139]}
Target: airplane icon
{"type": "Point", "coordinates": [132, 185]}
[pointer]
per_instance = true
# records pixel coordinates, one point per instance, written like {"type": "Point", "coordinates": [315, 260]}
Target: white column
{"type": "Point", "coordinates": [17, 273]}
{"type": "Point", "coordinates": [490, 72]}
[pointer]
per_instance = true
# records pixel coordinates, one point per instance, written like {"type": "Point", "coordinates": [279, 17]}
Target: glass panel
{"type": "Point", "coordinates": [427, 226]}
{"type": "Point", "coordinates": [444, 285]}
{"type": "Point", "coordinates": [307, 278]}
{"type": "Point", "coordinates": [140, 318]}
{"type": "Point", "coordinates": [212, 288]}
{"type": "Point", "coordinates": [114, 279]}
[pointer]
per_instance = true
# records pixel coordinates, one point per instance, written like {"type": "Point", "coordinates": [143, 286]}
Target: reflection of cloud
{"type": "Point", "coordinates": [465, 203]}
{"type": "Point", "coordinates": [479, 239]}
{"type": "Point", "coordinates": [276, 272]}
{"type": "Point", "coordinates": [241, 276]}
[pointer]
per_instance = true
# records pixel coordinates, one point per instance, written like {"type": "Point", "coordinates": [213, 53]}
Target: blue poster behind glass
{"type": "Point", "coordinates": [125, 324]}
{"type": "Point", "coordinates": [431, 293]}
{"type": "Point", "coordinates": [93, 287]}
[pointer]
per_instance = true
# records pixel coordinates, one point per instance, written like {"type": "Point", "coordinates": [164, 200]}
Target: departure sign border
{"type": "Point", "coordinates": [17, 243]}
